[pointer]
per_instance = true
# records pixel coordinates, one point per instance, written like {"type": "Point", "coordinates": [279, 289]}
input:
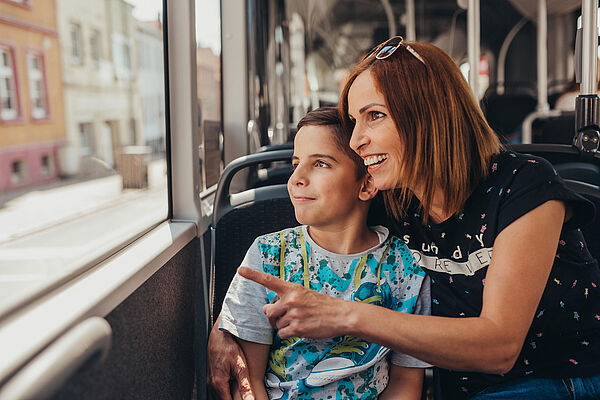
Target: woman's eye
{"type": "Point", "coordinates": [374, 115]}
{"type": "Point", "coordinates": [294, 165]}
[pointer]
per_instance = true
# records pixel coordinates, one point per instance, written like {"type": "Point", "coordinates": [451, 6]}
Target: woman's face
{"type": "Point", "coordinates": [374, 137]}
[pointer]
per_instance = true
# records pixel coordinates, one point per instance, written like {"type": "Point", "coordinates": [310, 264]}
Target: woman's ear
{"type": "Point", "coordinates": [368, 189]}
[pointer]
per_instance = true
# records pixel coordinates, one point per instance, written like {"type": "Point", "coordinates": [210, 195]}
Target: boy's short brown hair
{"type": "Point", "coordinates": [329, 117]}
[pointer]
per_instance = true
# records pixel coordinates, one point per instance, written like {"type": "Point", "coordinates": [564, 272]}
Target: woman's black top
{"type": "Point", "coordinates": [564, 338]}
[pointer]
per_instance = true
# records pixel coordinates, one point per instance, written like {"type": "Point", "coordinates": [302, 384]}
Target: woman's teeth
{"type": "Point", "coordinates": [375, 159]}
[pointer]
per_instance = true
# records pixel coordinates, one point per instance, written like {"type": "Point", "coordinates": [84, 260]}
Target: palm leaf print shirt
{"type": "Point", "coordinates": [342, 367]}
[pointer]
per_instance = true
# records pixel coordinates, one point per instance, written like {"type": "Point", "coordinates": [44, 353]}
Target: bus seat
{"type": "Point", "coordinates": [241, 217]}
{"type": "Point", "coordinates": [554, 129]}
{"type": "Point", "coordinates": [505, 112]}
{"type": "Point", "coordinates": [266, 174]}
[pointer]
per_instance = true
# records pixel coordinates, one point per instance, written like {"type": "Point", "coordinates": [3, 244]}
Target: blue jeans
{"type": "Point", "coordinates": [544, 388]}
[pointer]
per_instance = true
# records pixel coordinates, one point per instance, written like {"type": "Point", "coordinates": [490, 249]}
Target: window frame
{"type": "Point", "coordinates": [19, 3]}
{"type": "Point", "coordinates": [76, 45]}
{"type": "Point", "coordinates": [96, 47]}
{"type": "Point", "coordinates": [11, 50]}
{"type": "Point", "coordinates": [39, 54]}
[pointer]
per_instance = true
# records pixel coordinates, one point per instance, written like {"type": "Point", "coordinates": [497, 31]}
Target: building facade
{"type": "Point", "coordinates": [149, 44]}
{"type": "Point", "coordinates": [32, 125]}
{"type": "Point", "coordinates": [101, 96]}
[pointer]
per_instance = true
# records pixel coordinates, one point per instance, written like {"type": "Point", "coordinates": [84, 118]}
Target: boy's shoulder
{"type": "Point", "coordinates": [276, 236]}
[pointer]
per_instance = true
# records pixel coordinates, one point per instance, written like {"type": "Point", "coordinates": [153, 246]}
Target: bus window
{"type": "Point", "coordinates": [82, 136]}
{"type": "Point", "coordinates": [208, 59]}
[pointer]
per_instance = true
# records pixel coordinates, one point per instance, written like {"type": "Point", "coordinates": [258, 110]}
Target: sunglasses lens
{"type": "Point", "coordinates": [389, 47]}
{"type": "Point", "coordinates": [386, 51]}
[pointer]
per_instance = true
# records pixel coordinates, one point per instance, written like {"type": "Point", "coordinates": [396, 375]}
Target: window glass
{"type": "Point", "coordinates": [82, 136]}
{"type": "Point", "coordinates": [208, 59]}
{"type": "Point", "coordinates": [8, 87]}
{"type": "Point", "coordinates": [95, 47]}
{"type": "Point", "coordinates": [76, 48]}
{"type": "Point", "coordinates": [37, 86]}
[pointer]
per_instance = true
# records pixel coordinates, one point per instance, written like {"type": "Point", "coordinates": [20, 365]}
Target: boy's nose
{"type": "Point", "coordinates": [298, 177]}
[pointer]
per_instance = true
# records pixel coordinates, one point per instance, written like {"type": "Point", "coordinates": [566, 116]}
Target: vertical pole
{"type": "Point", "coordinates": [542, 56]}
{"type": "Point", "coordinates": [587, 104]}
{"type": "Point", "coordinates": [589, 53]}
{"type": "Point", "coordinates": [473, 23]}
{"type": "Point", "coordinates": [411, 32]}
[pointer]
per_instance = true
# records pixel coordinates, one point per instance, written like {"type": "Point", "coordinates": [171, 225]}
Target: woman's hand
{"type": "Point", "coordinates": [226, 362]}
{"type": "Point", "coordinates": [300, 311]}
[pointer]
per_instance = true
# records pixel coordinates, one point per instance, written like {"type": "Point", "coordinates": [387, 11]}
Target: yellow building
{"type": "Point", "coordinates": [32, 123]}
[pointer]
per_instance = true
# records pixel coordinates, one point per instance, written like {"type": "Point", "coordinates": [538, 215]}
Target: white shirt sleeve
{"type": "Point", "coordinates": [241, 314]}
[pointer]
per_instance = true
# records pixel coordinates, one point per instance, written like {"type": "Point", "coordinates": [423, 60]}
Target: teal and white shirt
{"type": "Point", "coordinates": [342, 367]}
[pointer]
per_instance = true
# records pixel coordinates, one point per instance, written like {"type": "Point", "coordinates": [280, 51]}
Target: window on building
{"type": "Point", "coordinates": [47, 165]}
{"type": "Point", "coordinates": [126, 56]}
{"type": "Point", "coordinates": [76, 44]}
{"type": "Point", "coordinates": [18, 172]}
{"type": "Point", "coordinates": [95, 47]}
{"type": "Point", "coordinates": [86, 139]}
{"type": "Point", "coordinates": [37, 86]}
{"type": "Point", "coordinates": [8, 87]}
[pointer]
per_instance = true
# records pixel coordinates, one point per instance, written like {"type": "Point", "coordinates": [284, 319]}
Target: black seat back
{"type": "Point", "coordinates": [505, 112]}
{"type": "Point", "coordinates": [554, 129]}
{"type": "Point", "coordinates": [241, 217]}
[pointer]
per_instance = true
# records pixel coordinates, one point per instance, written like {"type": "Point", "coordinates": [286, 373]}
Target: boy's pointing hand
{"type": "Point", "coordinates": [300, 311]}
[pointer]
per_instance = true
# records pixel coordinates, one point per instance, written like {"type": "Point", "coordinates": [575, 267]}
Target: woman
{"type": "Point", "coordinates": [524, 323]}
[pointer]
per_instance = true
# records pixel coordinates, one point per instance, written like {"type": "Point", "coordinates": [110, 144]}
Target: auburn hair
{"type": "Point", "coordinates": [447, 142]}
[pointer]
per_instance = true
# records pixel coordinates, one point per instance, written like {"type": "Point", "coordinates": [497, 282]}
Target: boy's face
{"type": "Point", "coordinates": [324, 187]}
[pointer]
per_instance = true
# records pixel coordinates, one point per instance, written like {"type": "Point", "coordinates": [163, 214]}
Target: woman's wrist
{"type": "Point", "coordinates": [350, 317]}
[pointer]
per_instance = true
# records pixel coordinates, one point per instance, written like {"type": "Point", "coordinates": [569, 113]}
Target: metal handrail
{"type": "Point", "coordinates": [47, 372]}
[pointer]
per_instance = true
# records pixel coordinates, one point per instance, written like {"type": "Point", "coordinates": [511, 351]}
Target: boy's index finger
{"type": "Point", "coordinates": [267, 280]}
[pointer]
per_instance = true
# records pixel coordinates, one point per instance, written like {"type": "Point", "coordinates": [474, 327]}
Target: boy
{"type": "Point", "coordinates": [336, 254]}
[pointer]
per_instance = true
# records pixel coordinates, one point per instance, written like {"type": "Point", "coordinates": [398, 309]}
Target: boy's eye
{"type": "Point", "coordinates": [321, 164]}
{"type": "Point", "coordinates": [294, 165]}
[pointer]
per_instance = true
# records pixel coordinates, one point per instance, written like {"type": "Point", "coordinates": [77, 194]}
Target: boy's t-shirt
{"type": "Point", "coordinates": [342, 367]}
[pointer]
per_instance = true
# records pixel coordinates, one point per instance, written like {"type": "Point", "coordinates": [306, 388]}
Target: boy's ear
{"type": "Point", "coordinates": [368, 189]}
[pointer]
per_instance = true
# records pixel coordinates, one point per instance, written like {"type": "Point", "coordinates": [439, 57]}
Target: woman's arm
{"type": "Point", "coordinates": [226, 362]}
{"type": "Point", "coordinates": [522, 259]}
{"type": "Point", "coordinates": [257, 355]}
{"type": "Point", "coordinates": [405, 384]}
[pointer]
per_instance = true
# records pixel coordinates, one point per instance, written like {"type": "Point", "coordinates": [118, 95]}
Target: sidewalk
{"type": "Point", "coordinates": [41, 209]}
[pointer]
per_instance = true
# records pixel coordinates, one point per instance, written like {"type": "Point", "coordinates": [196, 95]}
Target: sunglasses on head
{"type": "Point", "coordinates": [389, 47]}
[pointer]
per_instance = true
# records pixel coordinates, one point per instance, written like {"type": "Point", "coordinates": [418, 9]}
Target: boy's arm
{"type": "Point", "coordinates": [256, 357]}
{"type": "Point", "coordinates": [405, 384]}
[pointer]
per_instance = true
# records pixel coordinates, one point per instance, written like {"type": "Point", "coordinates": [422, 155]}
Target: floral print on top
{"type": "Point", "coordinates": [564, 337]}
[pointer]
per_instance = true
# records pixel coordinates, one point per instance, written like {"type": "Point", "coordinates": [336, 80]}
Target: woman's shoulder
{"type": "Point", "coordinates": [524, 169]}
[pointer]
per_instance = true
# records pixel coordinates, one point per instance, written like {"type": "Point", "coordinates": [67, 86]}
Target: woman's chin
{"type": "Point", "coordinates": [383, 184]}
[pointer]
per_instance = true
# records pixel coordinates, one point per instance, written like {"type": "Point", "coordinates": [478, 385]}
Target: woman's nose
{"type": "Point", "coordinates": [358, 138]}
